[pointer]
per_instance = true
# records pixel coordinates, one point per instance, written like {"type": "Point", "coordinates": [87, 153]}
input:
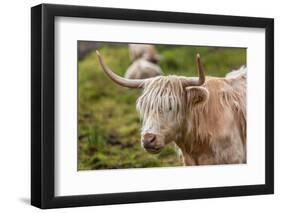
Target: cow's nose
{"type": "Point", "coordinates": [148, 138]}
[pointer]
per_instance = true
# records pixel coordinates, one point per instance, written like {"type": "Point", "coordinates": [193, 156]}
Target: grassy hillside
{"type": "Point", "coordinates": [108, 123]}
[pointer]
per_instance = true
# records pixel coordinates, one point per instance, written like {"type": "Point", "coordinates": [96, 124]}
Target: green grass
{"type": "Point", "coordinates": [108, 124]}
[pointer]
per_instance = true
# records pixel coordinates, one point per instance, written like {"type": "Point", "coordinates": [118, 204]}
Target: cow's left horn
{"type": "Point", "coordinates": [130, 83]}
{"type": "Point", "coordinates": [201, 75]}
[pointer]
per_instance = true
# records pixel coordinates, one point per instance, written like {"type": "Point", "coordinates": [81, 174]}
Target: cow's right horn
{"type": "Point", "coordinates": [130, 83]}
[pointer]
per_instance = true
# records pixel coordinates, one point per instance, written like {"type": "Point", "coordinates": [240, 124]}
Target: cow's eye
{"type": "Point", "coordinates": [170, 108]}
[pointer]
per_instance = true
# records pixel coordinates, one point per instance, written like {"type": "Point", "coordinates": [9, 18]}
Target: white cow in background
{"type": "Point", "coordinates": [145, 61]}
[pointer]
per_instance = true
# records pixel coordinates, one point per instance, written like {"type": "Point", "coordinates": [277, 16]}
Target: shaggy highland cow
{"type": "Point", "coordinates": [205, 117]}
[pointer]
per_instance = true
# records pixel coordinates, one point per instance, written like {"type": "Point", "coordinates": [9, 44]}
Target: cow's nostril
{"type": "Point", "coordinates": [152, 138]}
{"type": "Point", "coordinates": [149, 138]}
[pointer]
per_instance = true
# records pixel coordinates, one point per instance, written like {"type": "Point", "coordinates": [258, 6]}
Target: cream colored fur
{"type": "Point", "coordinates": [208, 123]}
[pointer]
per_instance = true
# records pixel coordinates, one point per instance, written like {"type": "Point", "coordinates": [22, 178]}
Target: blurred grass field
{"type": "Point", "coordinates": [108, 124]}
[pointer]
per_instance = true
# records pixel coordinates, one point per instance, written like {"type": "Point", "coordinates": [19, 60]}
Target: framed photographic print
{"type": "Point", "coordinates": [140, 106]}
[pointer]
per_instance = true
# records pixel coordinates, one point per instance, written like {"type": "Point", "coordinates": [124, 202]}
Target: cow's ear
{"type": "Point", "coordinates": [197, 95]}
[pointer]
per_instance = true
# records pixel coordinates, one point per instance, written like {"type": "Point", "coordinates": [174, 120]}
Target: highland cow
{"type": "Point", "coordinates": [205, 116]}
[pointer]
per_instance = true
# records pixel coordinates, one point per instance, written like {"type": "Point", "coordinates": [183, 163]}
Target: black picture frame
{"type": "Point", "coordinates": [43, 105]}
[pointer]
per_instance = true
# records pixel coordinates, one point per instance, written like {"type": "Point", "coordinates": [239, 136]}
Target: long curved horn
{"type": "Point", "coordinates": [201, 75]}
{"type": "Point", "coordinates": [130, 83]}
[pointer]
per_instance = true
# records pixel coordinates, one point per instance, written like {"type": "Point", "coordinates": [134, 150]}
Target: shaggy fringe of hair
{"type": "Point", "coordinates": [162, 94]}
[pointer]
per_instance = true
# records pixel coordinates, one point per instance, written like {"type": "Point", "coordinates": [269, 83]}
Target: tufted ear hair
{"type": "Point", "coordinates": [197, 95]}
